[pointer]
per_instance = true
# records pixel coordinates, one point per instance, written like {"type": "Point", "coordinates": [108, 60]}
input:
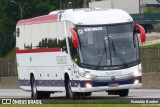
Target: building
{"type": "Point", "coordinates": [130, 6]}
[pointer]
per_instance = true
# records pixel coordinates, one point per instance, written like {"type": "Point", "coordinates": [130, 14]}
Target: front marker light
{"type": "Point", "coordinates": [88, 76]}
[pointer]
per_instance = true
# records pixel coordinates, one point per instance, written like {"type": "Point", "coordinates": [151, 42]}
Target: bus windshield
{"type": "Point", "coordinates": [110, 45]}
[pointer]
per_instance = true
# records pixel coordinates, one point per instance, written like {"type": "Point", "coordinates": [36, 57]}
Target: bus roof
{"type": "Point", "coordinates": [96, 16]}
{"type": "Point", "coordinates": [39, 19]}
{"type": "Point", "coordinates": [87, 16]}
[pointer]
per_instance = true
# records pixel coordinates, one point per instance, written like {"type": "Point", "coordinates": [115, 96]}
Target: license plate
{"type": "Point", "coordinates": [113, 84]}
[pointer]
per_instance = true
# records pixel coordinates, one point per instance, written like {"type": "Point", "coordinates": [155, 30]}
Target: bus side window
{"type": "Point", "coordinates": [17, 32]}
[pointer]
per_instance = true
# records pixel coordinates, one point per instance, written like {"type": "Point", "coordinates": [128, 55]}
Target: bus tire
{"type": "Point", "coordinates": [69, 93]}
{"type": "Point", "coordinates": [34, 93]}
{"type": "Point", "coordinates": [123, 93]}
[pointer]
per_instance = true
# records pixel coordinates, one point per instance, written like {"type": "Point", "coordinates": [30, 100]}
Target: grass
{"type": "Point", "coordinates": [154, 46]}
{"type": "Point", "coordinates": [82, 105]}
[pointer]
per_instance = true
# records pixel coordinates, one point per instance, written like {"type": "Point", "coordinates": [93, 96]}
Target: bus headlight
{"type": "Point", "coordinates": [136, 82]}
{"type": "Point", "coordinates": [86, 75]}
{"type": "Point", "coordinates": [89, 76]}
{"type": "Point", "coordinates": [136, 73]}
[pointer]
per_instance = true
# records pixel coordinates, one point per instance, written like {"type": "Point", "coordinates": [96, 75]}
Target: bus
{"type": "Point", "coordinates": [79, 51]}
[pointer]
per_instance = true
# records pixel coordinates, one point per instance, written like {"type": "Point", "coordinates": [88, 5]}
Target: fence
{"type": "Point", "coordinates": [150, 59]}
{"type": "Point", "coordinates": [8, 67]}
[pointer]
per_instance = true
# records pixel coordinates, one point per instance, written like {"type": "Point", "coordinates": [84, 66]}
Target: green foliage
{"type": "Point", "coordinates": [10, 13]}
{"type": "Point", "coordinates": [150, 9]}
{"type": "Point", "coordinates": [11, 53]}
{"type": "Point", "coordinates": [158, 1]}
{"type": "Point", "coordinates": [158, 29]}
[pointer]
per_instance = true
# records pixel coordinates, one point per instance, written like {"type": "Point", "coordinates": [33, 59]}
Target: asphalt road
{"type": "Point", "coordinates": [134, 93]}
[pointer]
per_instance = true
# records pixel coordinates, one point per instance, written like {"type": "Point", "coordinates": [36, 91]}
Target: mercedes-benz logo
{"type": "Point", "coordinates": [113, 78]}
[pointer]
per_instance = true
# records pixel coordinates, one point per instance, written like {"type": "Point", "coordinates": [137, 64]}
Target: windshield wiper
{"type": "Point", "coordinates": [117, 54]}
{"type": "Point", "coordinates": [104, 51]}
{"type": "Point", "coordinates": [134, 42]}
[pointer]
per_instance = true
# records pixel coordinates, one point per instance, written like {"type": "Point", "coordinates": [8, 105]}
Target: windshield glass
{"type": "Point", "coordinates": [124, 44]}
{"type": "Point", "coordinates": [108, 45]}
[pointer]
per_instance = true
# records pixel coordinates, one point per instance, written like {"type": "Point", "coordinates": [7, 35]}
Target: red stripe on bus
{"type": "Point", "coordinates": [39, 19]}
{"type": "Point", "coordinates": [38, 50]}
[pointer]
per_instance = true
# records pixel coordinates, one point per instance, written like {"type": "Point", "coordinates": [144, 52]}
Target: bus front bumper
{"type": "Point", "coordinates": [107, 88]}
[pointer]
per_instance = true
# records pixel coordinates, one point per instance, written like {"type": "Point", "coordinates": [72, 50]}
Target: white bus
{"type": "Point", "coordinates": [79, 51]}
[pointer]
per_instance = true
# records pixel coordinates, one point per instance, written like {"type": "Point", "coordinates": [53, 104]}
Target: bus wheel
{"type": "Point", "coordinates": [123, 93]}
{"type": "Point", "coordinates": [69, 93]}
{"type": "Point", "coordinates": [34, 93]}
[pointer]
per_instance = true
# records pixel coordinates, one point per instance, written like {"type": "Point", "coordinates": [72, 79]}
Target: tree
{"type": "Point", "coordinates": [150, 9]}
{"type": "Point", "coordinates": [10, 14]}
{"type": "Point", "coordinates": [80, 3]}
{"type": "Point", "coordinates": [158, 1]}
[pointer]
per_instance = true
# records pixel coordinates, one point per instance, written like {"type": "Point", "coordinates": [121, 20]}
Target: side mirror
{"type": "Point", "coordinates": [142, 32]}
{"type": "Point", "coordinates": [74, 38]}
